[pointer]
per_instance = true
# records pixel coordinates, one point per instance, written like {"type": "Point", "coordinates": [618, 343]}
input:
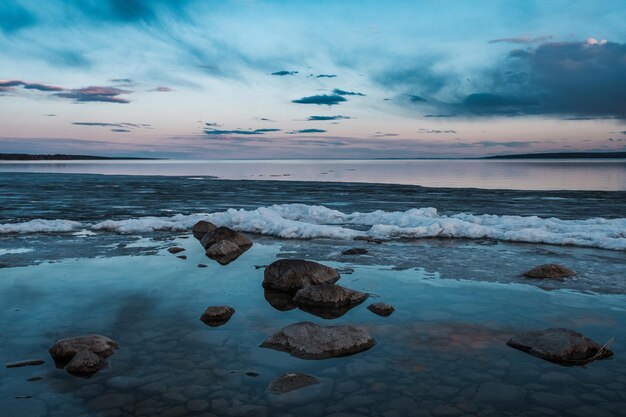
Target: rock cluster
{"type": "Point", "coordinates": [221, 244]}
{"type": "Point", "coordinates": [83, 355]}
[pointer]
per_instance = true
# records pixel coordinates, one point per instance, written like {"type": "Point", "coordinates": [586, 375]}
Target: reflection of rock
{"type": "Point", "coordinates": [328, 301]}
{"type": "Point", "coordinates": [281, 301]}
{"type": "Point", "coordinates": [552, 271]}
{"type": "Point", "coordinates": [85, 362]}
{"type": "Point", "coordinates": [308, 340]}
{"type": "Point", "coordinates": [83, 354]}
{"type": "Point", "coordinates": [217, 315]}
{"type": "Point", "coordinates": [202, 228]}
{"type": "Point", "coordinates": [175, 249]}
{"type": "Point", "coordinates": [355, 251]}
{"type": "Point", "coordinates": [224, 245]}
{"type": "Point", "coordinates": [291, 275]}
{"type": "Point", "coordinates": [290, 382]}
{"type": "Point", "coordinates": [381, 309]}
{"type": "Point", "coordinates": [562, 346]}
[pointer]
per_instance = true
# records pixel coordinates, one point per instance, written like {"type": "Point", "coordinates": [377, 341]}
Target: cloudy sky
{"type": "Point", "coordinates": [293, 79]}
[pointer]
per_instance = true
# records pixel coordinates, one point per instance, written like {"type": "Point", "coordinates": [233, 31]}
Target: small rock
{"type": "Point", "coordinates": [381, 309]}
{"type": "Point", "coordinates": [175, 249]}
{"type": "Point", "coordinates": [65, 349]}
{"type": "Point", "coordinates": [291, 275]}
{"type": "Point", "coordinates": [308, 340]}
{"type": "Point", "coordinates": [355, 251]}
{"type": "Point", "coordinates": [225, 233]}
{"type": "Point", "coordinates": [31, 362]}
{"type": "Point", "coordinates": [34, 378]}
{"type": "Point", "coordinates": [215, 316]}
{"type": "Point", "coordinates": [290, 382]}
{"type": "Point", "coordinates": [202, 228]}
{"type": "Point", "coordinates": [182, 257]}
{"type": "Point", "coordinates": [202, 266]}
{"type": "Point", "coordinates": [85, 362]}
{"type": "Point", "coordinates": [223, 251]}
{"type": "Point", "coordinates": [562, 346]}
{"type": "Point", "coordinates": [551, 271]}
{"type": "Point", "coordinates": [252, 374]}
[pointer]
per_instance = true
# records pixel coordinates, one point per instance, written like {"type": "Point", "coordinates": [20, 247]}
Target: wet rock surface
{"type": "Point", "coordinates": [224, 245]}
{"type": "Point", "coordinates": [290, 382]}
{"type": "Point", "coordinates": [85, 362]}
{"type": "Point", "coordinates": [382, 309]}
{"type": "Point", "coordinates": [223, 252]}
{"type": "Point", "coordinates": [31, 362]}
{"type": "Point", "coordinates": [550, 271]}
{"type": "Point", "coordinates": [175, 249]}
{"type": "Point", "coordinates": [291, 275]}
{"type": "Point", "coordinates": [83, 355]}
{"type": "Point", "coordinates": [215, 316]}
{"type": "Point", "coordinates": [328, 300]}
{"type": "Point", "coordinates": [562, 346]}
{"type": "Point", "coordinates": [202, 228]}
{"type": "Point", "coordinates": [308, 340]}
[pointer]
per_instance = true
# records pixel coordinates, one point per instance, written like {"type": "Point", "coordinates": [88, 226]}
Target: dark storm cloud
{"type": "Point", "coordinates": [96, 94]}
{"type": "Point", "coordinates": [323, 99]}
{"type": "Point", "coordinates": [119, 130]}
{"type": "Point", "coordinates": [10, 84]}
{"type": "Point", "coordinates": [217, 132]}
{"type": "Point", "coordinates": [284, 72]}
{"type": "Point", "coordinates": [339, 92]}
{"type": "Point", "coordinates": [323, 118]}
{"type": "Point", "coordinates": [307, 131]}
{"type": "Point", "coordinates": [522, 39]}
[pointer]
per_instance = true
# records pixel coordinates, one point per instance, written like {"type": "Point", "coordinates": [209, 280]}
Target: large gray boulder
{"type": "Point", "coordinates": [550, 271]}
{"type": "Point", "coordinates": [291, 275]}
{"type": "Point", "coordinates": [308, 340]}
{"type": "Point", "coordinates": [328, 300]}
{"type": "Point", "coordinates": [65, 349]}
{"type": "Point", "coordinates": [562, 346]}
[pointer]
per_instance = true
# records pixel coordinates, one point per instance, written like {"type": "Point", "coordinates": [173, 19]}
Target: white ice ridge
{"type": "Point", "coordinates": [308, 222]}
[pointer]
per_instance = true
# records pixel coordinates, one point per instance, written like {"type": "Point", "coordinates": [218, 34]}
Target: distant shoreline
{"type": "Point", "coordinates": [548, 155]}
{"type": "Point", "coordinates": [62, 157]}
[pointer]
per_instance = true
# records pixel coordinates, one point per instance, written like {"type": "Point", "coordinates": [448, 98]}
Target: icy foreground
{"type": "Point", "coordinates": [301, 221]}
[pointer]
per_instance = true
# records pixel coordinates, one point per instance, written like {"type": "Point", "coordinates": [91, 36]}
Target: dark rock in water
{"type": "Point", "coordinates": [202, 228]}
{"type": "Point", "coordinates": [85, 362]}
{"type": "Point", "coordinates": [290, 382]}
{"type": "Point", "coordinates": [215, 316]}
{"type": "Point", "coordinates": [65, 349]}
{"type": "Point", "coordinates": [34, 378]}
{"type": "Point", "coordinates": [182, 257]}
{"type": "Point", "coordinates": [369, 239]}
{"type": "Point", "coordinates": [355, 251]}
{"type": "Point", "coordinates": [381, 309]}
{"type": "Point", "coordinates": [328, 301]}
{"type": "Point", "coordinates": [202, 266]}
{"type": "Point", "coordinates": [252, 374]}
{"type": "Point", "coordinates": [281, 301]}
{"type": "Point", "coordinates": [224, 245]}
{"type": "Point", "coordinates": [175, 249]}
{"type": "Point", "coordinates": [308, 340]}
{"type": "Point", "coordinates": [291, 275]}
{"type": "Point", "coordinates": [32, 362]}
{"type": "Point", "coordinates": [551, 271]}
{"type": "Point", "coordinates": [562, 346]}
{"type": "Point", "coordinates": [225, 233]}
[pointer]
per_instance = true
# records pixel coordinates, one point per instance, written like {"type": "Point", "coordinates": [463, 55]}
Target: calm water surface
{"type": "Point", "coordinates": [604, 174]}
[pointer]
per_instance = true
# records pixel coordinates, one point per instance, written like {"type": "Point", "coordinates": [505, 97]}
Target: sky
{"type": "Point", "coordinates": [234, 79]}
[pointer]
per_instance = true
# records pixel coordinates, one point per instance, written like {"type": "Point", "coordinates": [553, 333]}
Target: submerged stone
{"type": "Point", "coordinates": [215, 316]}
{"type": "Point", "coordinates": [32, 362]}
{"type": "Point", "coordinates": [551, 271]}
{"type": "Point", "coordinates": [175, 249]}
{"type": "Point", "coordinates": [308, 340]}
{"type": "Point", "coordinates": [562, 346]}
{"type": "Point", "coordinates": [65, 349]}
{"type": "Point", "coordinates": [291, 275]}
{"type": "Point", "coordinates": [328, 300]}
{"type": "Point", "coordinates": [381, 309]}
{"type": "Point", "coordinates": [290, 382]}
{"type": "Point", "coordinates": [355, 251]}
{"type": "Point", "coordinates": [85, 362]}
